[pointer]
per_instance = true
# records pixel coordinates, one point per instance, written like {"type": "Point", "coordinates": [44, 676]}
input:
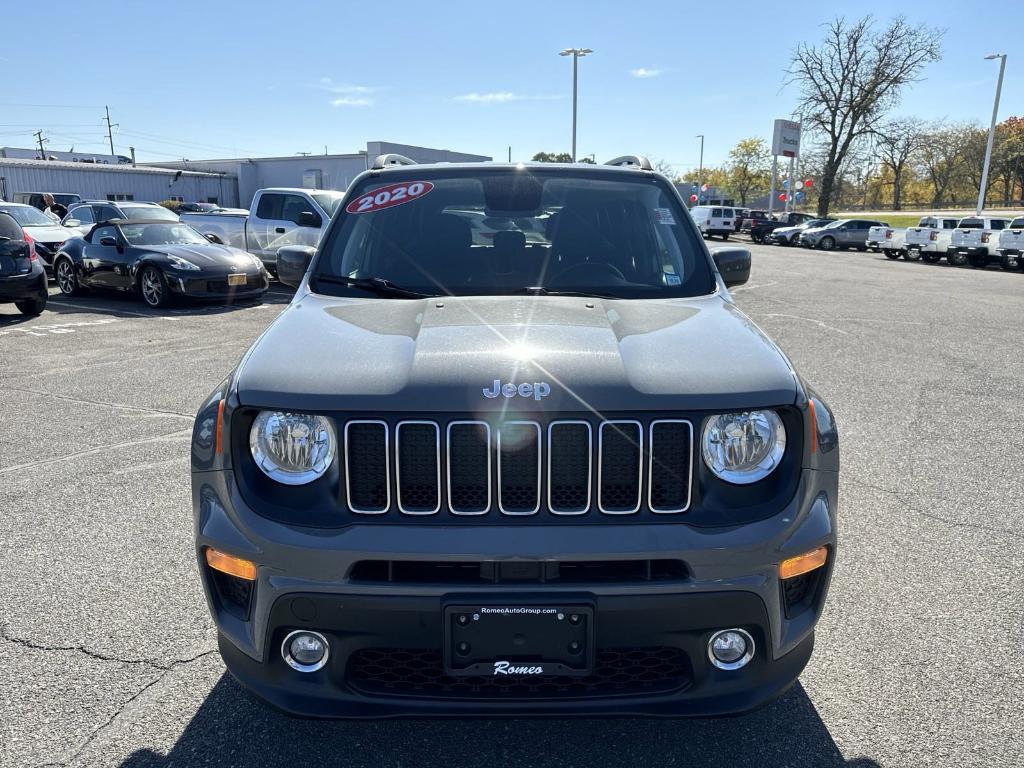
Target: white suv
{"type": "Point", "coordinates": [714, 220]}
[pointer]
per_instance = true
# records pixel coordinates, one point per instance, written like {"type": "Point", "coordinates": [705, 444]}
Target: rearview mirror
{"type": "Point", "coordinates": [310, 219]}
{"type": "Point", "coordinates": [292, 263]}
{"type": "Point", "coordinates": [733, 265]}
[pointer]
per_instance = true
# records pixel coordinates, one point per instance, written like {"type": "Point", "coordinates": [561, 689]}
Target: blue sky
{"type": "Point", "coordinates": [213, 79]}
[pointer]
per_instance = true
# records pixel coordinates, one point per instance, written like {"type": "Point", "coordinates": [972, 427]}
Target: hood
{"type": "Point", "coordinates": [53, 233]}
{"type": "Point", "coordinates": [459, 353]}
{"type": "Point", "coordinates": [210, 256]}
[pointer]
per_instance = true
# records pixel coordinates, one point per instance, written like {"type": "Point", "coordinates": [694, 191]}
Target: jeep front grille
{"type": "Point", "coordinates": [517, 467]}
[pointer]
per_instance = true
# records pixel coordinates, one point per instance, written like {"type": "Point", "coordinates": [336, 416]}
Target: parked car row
{"type": "Point", "coordinates": [976, 241]}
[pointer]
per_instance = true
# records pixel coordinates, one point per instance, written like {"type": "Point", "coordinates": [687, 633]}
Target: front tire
{"type": "Point", "coordinates": [154, 289]}
{"type": "Point", "coordinates": [725, 236]}
{"type": "Point", "coordinates": [32, 307]}
{"type": "Point", "coordinates": [67, 280]}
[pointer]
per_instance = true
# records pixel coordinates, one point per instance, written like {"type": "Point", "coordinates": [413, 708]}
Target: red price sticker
{"type": "Point", "coordinates": [389, 196]}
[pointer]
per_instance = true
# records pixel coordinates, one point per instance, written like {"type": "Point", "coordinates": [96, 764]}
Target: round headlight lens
{"type": "Point", "coordinates": [292, 448]}
{"type": "Point", "coordinates": [745, 447]}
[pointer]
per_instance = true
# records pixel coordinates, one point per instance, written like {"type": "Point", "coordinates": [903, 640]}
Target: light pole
{"type": "Point", "coordinates": [991, 131]}
{"type": "Point", "coordinates": [700, 168]}
{"type": "Point", "coordinates": [575, 53]}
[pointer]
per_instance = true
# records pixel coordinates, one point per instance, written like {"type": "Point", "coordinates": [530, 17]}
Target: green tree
{"type": "Point", "coordinates": [552, 157]}
{"type": "Point", "coordinates": [748, 167]}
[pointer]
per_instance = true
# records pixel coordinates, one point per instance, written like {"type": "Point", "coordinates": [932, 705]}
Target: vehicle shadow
{"type": "Point", "coordinates": [127, 304]}
{"type": "Point", "coordinates": [233, 729]}
{"type": "Point", "coordinates": [14, 317]}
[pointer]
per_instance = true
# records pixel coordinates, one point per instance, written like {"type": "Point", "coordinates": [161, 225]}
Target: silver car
{"type": "Point", "coordinates": [843, 233]}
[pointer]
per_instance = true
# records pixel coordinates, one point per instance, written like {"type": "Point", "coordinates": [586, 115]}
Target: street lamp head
{"type": "Point", "coordinates": [584, 51]}
{"type": "Point", "coordinates": [996, 56]}
{"type": "Point", "coordinates": [575, 51]}
{"type": "Point", "coordinates": [566, 52]}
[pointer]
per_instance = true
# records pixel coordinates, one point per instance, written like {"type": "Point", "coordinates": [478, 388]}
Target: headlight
{"type": "Point", "coordinates": [292, 448]}
{"type": "Point", "coordinates": [743, 447]}
{"type": "Point", "coordinates": [179, 263]}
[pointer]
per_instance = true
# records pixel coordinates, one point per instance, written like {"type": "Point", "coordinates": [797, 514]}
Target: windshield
{"type": "Point", "coordinates": [328, 201]}
{"type": "Point", "coordinates": [834, 224]}
{"type": "Point", "coordinates": [1017, 223]}
{"type": "Point", "coordinates": [162, 234]}
{"type": "Point", "coordinates": [28, 216]}
{"type": "Point", "coordinates": [480, 232]}
{"type": "Point", "coordinates": [148, 212]}
{"type": "Point", "coordinates": [817, 223]}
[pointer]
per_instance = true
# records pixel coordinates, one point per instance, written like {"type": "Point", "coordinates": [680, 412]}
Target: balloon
{"type": "Point", "coordinates": [693, 198]}
{"type": "Point", "coordinates": [785, 183]}
{"type": "Point", "coordinates": [704, 188]}
{"type": "Point", "coordinates": [799, 185]}
{"type": "Point", "coordinates": [809, 183]}
{"type": "Point", "coordinates": [800, 195]}
{"type": "Point", "coordinates": [782, 197]}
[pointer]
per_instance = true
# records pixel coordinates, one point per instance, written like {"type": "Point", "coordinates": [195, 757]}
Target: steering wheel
{"type": "Point", "coordinates": [591, 267]}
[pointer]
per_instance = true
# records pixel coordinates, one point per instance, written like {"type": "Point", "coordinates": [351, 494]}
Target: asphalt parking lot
{"type": "Point", "coordinates": [107, 653]}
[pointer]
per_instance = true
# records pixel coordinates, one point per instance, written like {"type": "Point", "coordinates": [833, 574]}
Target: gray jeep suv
{"type": "Point", "coordinates": [512, 449]}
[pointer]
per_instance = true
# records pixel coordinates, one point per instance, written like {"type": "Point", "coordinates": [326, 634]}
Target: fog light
{"type": "Point", "coordinates": [305, 651]}
{"type": "Point", "coordinates": [730, 649]}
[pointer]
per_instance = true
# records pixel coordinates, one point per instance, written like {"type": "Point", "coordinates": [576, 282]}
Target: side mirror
{"type": "Point", "coordinates": [292, 263]}
{"type": "Point", "coordinates": [108, 241]}
{"type": "Point", "coordinates": [310, 219]}
{"type": "Point", "coordinates": [214, 239]}
{"type": "Point", "coordinates": [72, 223]}
{"type": "Point", "coordinates": [733, 265]}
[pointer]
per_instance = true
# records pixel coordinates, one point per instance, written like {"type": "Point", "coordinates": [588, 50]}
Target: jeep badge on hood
{"type": "Point", "coordinates": [537, 390]}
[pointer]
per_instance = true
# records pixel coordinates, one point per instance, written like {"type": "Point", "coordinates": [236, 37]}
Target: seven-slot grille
{"type": "Point", "coordinates": [572, 467]}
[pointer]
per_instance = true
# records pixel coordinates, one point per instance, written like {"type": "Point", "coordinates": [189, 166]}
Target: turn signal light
{"type": "Point", "coordinates": [231, 565]}
{"type": "Point", "coordinates": [801, 564]}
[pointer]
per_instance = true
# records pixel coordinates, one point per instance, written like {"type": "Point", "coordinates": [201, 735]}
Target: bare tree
{"type": "Point", "coordinates": [851, 78]}
{"type": "Point", "coordinates": [897, 142]}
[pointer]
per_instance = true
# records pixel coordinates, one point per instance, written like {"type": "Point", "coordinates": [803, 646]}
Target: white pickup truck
{"type": "Point", "coordinates": [1011, 245]}
{"type": "Point", "coordinates": [974, 240]}
{"type": "Point", "coordinates": [888, 240]}
{"type": "Point", "coordinates": [930, 239]}
{"type": "Point", "coordinates": [279, 216]}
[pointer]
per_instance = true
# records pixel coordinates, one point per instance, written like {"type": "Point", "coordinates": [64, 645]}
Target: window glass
{"type": "Point", "coordinates": [148, 212]}
{"type": "Point", "coordinates": [107, 212]}
{"type": "Point", "coordinates": [101, 232]}
{"type": "Point", "coordinates": [949, 223]}
{"type": "Point", "coordinates": [716, 212]}
{"type": "Point", "coordinates": [971, 223]}
{"type": "Point", "coordinates": [1017, 223]}
{"type": "Point", "coordinates": [502, 232]}
{"type": "Point", "coordinates": [83, 214]}
{"type": "Point", "coordinates": [28, 216]}
{"type": "Point", "coordinates": [329, 201]}
{"type": "Point", "coordinates": [293, 206]}
{"type": "Point", "coordinates": [162, 234]}
{"type": "Point", "coordinates": [270, 206]}
{"type": "Point", "coordinates": [998, 224]}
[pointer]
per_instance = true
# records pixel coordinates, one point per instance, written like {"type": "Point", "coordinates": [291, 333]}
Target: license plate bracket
{"type": "Point", "coordinates": [519, 639]}
{"type": "Point", "coordinates": [236, 279]}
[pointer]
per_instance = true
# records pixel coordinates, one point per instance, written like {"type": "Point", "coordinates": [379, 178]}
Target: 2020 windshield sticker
{"type": "Point", "coordinates": [389, 196]}
{"type": "Point", "coordinates": [664, 216]}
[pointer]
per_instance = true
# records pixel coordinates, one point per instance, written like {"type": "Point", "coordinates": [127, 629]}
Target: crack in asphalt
{"type": "Point", "coordinates": [179, 433]}
{"type": "Point", "coordinates": [5, 636]}
{"type": "Point", "coordinates": [165, 671]}
{"type": "Point", "coordinates": [930, 515]}
{"type": "Point", "coordinates": [86, 401]}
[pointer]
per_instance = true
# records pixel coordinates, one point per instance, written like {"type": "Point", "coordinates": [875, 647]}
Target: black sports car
{"type": "Point", "coordinates": [160, 260]}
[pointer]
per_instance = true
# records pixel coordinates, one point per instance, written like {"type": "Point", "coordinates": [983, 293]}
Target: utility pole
{"type": "Point", "coordinates": [576, 53]}
{"type": "Point", "coordinates": [991, 131]}
{"type": "Point", "coordinates": [39, 137]}
{"type": "Point", "coordinates": [110, 134]}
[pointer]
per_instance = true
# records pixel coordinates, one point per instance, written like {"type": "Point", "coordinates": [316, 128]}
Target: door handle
{"type": "Point", "coordinates": [279, 230]}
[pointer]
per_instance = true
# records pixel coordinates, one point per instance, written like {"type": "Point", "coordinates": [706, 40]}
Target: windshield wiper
{"type": "Point", "coordinates": [379, 285]}
{"type": "Point", "coordinates": [540, 290]}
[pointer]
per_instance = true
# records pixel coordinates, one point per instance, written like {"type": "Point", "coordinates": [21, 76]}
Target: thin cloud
{"type": "Point", "coordinates": [643, 72]}
{"type": "Point", "coordinates": [499, 97]}
{"type": "Point", "coordinates": [351, 101]}
{"type": "Point", "coordinates": [347, 94]}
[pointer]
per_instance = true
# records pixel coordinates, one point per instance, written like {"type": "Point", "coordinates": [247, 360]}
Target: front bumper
{"type": "Point", "coordinates": [305, 579]}
{"type": "Point", "coordinates": [216, 286]}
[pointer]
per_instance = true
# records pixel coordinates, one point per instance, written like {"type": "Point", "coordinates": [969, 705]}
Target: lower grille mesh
{"type": "Point", "coordinates": [415, 672]}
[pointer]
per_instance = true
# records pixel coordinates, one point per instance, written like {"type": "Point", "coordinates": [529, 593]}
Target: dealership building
{"type": "Point", "coordinates": [227, 182]}
{"type": "Point", "coordinates": [313, 171]}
